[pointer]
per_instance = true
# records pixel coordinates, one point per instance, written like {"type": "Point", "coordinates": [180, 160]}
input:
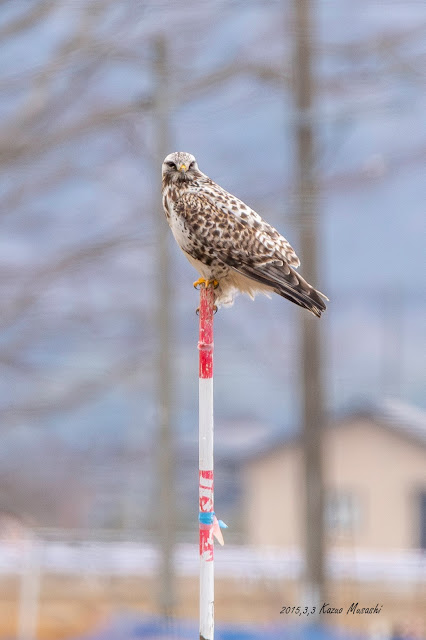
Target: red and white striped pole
{"type": "Point", "coordinates": [206, 508]}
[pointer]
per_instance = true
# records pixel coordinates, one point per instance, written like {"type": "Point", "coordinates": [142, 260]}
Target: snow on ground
{"type": "Point", "coordinates": [248, 563]}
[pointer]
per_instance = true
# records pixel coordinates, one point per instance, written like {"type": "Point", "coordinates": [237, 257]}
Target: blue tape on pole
{"type": "Point", "coordinates": [206, 517]}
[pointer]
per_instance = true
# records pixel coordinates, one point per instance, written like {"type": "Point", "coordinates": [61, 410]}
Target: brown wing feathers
{"type": "Point", "coordinates": [258, 256]}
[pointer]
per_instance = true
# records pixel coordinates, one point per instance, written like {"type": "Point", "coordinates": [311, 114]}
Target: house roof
{"type": "Point", "coordinates": [401, 418]}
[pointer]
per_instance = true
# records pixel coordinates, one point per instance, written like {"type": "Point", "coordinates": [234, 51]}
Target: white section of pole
{"type": "Point", "coordinates": [206, 600]}
{"type": "Point", "coordinates": [206, 426]}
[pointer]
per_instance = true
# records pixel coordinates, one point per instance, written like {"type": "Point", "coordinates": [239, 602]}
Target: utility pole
{"type": "Point", "coordinates": [311, 370]}
{"type": "Point", "coordinates": [29, 597]}
{"type": "Point", "coordinates": [165, 448]}
{"type": "Point", "coordinates": [392, 353]}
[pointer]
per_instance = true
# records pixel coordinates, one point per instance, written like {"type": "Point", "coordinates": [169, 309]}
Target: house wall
{"type": "Point", "coordinates": [272, 498]}
{"type": "Point", "coordinates": [382, 470]}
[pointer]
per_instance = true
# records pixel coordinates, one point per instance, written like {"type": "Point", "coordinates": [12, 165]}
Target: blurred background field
{"type": "Point", "coordinates": [86, 606]}
{"type": "Point", "coordinates": [98, 358]}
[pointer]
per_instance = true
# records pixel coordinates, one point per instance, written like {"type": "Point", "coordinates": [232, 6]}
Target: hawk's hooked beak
{"type": "Point", "coordinates": [182, 167]}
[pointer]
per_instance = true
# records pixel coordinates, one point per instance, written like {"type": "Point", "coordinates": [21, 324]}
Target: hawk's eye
{"type": "Point", "coordinates": [171, 165]}
{"type": "Point", "coordinates": [192, 165]}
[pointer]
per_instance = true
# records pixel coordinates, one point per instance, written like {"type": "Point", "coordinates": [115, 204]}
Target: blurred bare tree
{"type": "Point", "coordinates": [60, 135]}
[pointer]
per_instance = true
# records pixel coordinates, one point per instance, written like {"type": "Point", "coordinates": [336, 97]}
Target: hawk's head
{"type": "Point", "coordinates": [180, 167]}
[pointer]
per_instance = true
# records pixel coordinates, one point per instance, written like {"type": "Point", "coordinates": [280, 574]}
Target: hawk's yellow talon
{"type": "Point", "coordinates": [199, 282]}
{"type": "Point", "coordinates": [206, 283]}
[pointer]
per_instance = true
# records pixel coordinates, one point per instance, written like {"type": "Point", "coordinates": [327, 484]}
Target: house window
{"type": "Point", "coordinates": [342, 512]}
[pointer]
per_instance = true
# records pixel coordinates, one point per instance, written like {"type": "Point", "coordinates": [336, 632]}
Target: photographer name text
{"type": "Point", "coordinates": [328, 609]}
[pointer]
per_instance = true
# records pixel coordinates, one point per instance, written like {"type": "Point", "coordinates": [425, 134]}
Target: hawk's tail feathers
{"type": "Point", "coordinates": [290, 285]}
{"type": "Point", "coordinates": [295, 288]}
{"type": "Point", "coordinates": [311, 300]}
